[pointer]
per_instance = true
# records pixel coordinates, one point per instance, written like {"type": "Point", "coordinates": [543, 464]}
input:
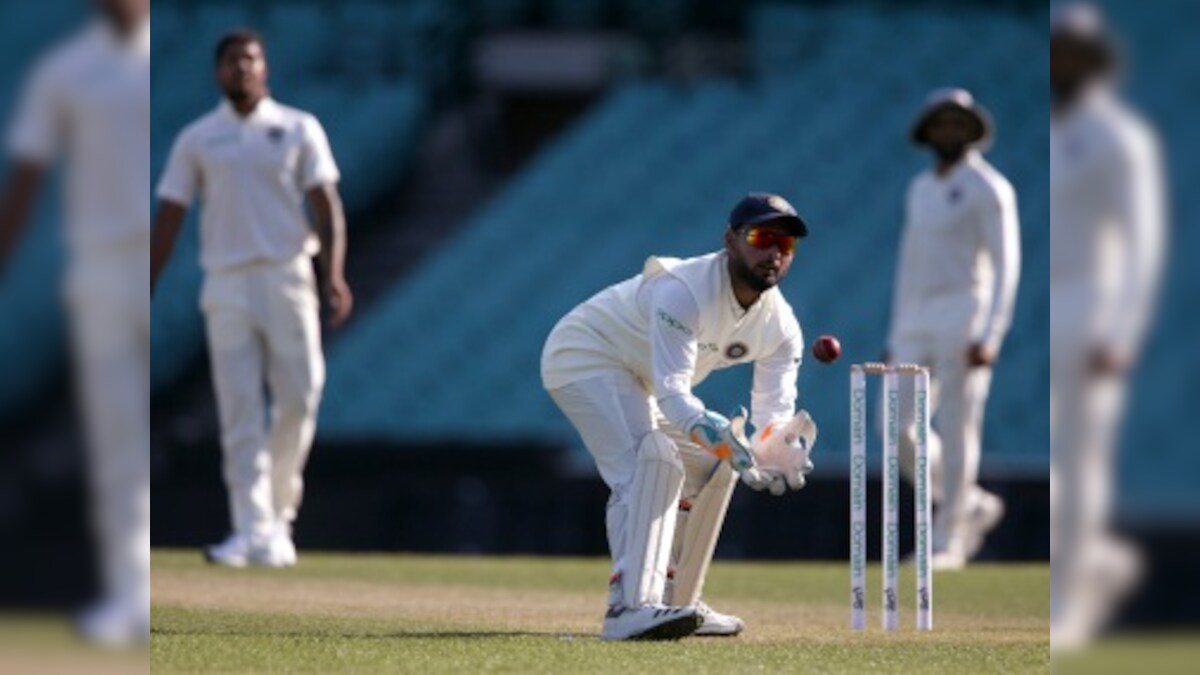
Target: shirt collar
{"type": "Point", "coordinates": [138, 43]}
{"type": "Point", "coordinates": [970, 158]}
{"type": "Point", "coordinates": [265, 109]}
{"type": "Point", "coordinates": [1097, 95]}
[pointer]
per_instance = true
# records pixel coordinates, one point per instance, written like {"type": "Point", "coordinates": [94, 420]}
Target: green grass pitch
{"type": "Point", "coordinates": [404, 613]}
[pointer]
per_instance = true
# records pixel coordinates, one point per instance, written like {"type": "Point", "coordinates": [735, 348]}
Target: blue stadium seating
{"type": "Point", "coordinates": [453, 351]}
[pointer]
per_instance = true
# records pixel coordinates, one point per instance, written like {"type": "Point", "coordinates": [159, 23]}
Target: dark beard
{"type": "Point", "coordinates": [747, 275]}
{"type": "Point", "coordinates": [1064, 95]}
{"type": "Point", "coordinates": [950, 156]}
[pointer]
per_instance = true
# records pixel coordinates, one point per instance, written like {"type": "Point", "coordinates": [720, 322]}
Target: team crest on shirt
{"type": "Point", "coordinates": [275, 134]}
{"type": "Point", "coordinates": [736, 351]}
{"type": "Point", "coordinates": [955, 195]}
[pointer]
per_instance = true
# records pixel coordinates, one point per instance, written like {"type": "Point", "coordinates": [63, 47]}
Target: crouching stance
{"type": "Point", "coordinates": [621, 367]}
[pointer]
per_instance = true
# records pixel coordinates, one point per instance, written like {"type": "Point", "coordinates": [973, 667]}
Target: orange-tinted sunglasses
{"type": "Point", "coordinates": [763, 239]}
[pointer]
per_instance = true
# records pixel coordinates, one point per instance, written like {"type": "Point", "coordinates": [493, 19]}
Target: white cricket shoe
{"type": "Point", "coordinates": [713, 622]}
{"type": "Point", "coordinates": [949, 560]}
{"type": "Point", "coordinates": [1110, 570]}
{"type": "Point", "coordinates": [986, 512]}
{"type": "Point", "coordinates": [239, 550]}
{"type": "Point", "coordinates": [649, 622]}
{"type": "Point", "coordinates": [283, 545]}
{"type": "Point", "coordinates": [233, 552]}
{"type": "Point", "coordinates": [1068, 636]}
{"type": "Point", "coordinates": [113, 623]}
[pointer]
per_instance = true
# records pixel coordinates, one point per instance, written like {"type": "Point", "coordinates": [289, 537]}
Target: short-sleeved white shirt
{"type": "Point", "coordinates": [88, 102]}
{"type": "Point", "coordinates": [251, 174]}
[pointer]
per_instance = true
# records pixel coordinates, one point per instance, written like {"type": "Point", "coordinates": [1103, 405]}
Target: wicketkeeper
{"type": "Point", "coordinates": [622, 366]}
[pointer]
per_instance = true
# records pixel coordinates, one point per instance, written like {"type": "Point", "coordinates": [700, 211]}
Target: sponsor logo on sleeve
{"type": "Point", "coordinates": [674, 323]}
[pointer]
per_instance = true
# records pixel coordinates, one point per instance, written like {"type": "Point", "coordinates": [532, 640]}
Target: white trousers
{"type": "Point", "coordinates": [264, 343]}
{"type": "Point", "coordinates": [957, 398]}
{"type": "Point", "coordinates": [1085, 415]}
{"type": "Point", "coordinates": [612, 413]}
{"type": "Point", "coordinates": [108, 300]}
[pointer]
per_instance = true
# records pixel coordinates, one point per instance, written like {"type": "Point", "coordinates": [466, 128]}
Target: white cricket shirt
{"type": "Point", "coordinates": [673, 325]}
{"type": "Point", "coordinates": [960, 255]}
{"type": "Point", "coordinates": [88, 101]}
{"type": "Point", "coordinates": [1106, 223]}
{"type": "Point", "coordinates": [251, 174]}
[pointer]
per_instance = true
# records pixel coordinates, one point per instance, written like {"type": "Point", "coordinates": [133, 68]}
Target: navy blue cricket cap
{"type": "Point", "coordinates": [760, 207]}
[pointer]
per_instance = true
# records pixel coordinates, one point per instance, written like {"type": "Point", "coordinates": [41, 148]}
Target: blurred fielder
{"type": "Point", "coordinates": [88, 101]}
{"type": "Point", "coordinates": [956, 280]}
{"type": "Point", "coordinates": [253, 162]}
{"type": "Point", "coordinates": [622, 366]}
{"type": "Point", "coordinates": [1106, 240]}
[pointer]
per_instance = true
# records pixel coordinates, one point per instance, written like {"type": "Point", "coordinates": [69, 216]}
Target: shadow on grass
{"type": "Point", "coordinates": [402, 635]}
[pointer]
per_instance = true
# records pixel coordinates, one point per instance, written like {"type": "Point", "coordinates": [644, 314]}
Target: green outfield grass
{"type": "Point", "coordinates": [395, 613]}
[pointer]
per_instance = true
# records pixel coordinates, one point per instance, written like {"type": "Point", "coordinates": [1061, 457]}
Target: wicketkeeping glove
{"type": "Point", "coordinates": [752, 476]}
{"type": "Point", "coordinates": [782, 452]}
{"type": "Point", "coordinates": [717, 434]}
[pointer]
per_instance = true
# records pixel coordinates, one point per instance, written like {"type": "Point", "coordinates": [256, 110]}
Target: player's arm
{"type": "Point", "coordinates": [1001, 238]}
{"type": "Point", "coordinates": [168, 221]}
{"type": "Point", "coordinates": [330, 222]}
{"type": "Point", "coordinates": [783, 437]}
{"type": "Point", "coordinates": [176, 191]}
{"type": "Point", "coordinates": [674, 325]}
{"type": "Point", "coordinates": [673, 349]}
{"type": "Point", "coordinates": [320, 177]}
{"type": "Point", "coordinates": [774, 393]}
{"type": "Point", "coordinates": [1137, 188]}
{"type": "Point", "coordinates": [19, 194]}
{"type": "Point", "coordinates": [34, 142]}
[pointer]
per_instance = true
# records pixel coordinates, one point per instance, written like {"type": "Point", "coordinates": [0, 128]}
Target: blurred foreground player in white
{"type": "Point", "coordinates": [1107, 227]}
{"type": "Point", "coordinates": [622, 366]}
{"type": "Point", "coordinates": [88, 101]}
{"type": "Point", "coordinates": [253, 162]}
{"type": "Point", "coordinates": [955, 286]}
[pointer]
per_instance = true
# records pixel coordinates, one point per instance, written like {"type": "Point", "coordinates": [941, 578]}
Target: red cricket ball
{"type": "Point", "coordinates": [827, 349]}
